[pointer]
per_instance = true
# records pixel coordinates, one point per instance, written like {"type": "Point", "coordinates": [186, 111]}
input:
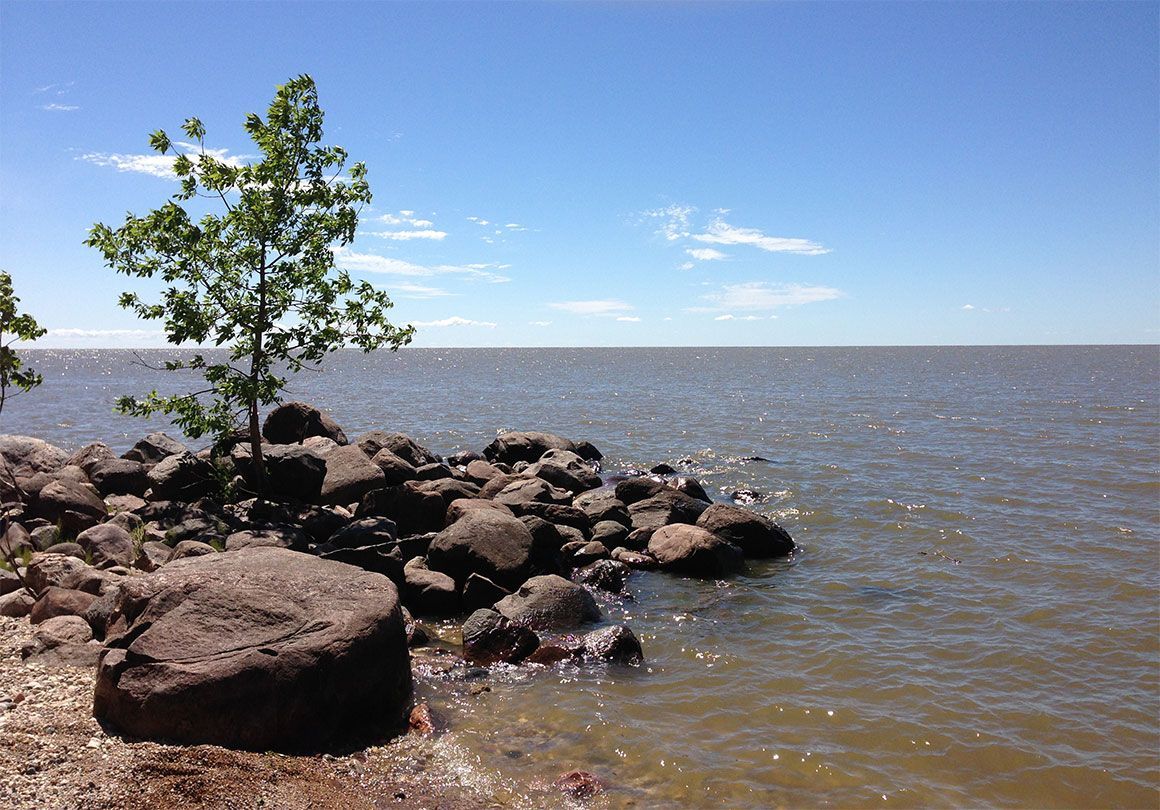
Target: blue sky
{"type": "Point", "coordinates": [633, 174]}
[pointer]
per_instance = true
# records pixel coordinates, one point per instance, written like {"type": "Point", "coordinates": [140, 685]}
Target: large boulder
{"type": "Point", "coordinates": [294, 472]}
{"type": "Point", "coordinates": [526, 446]}
{"type": "Point", "coordinates": [527, 490]}
{"type": "Point", "coordinates": [427, 592]}
{"type": "Point", "coordinates": [51, 569]}
{"type": "Point", "coordinates": [602, 504]}
{"type": "Point", "coordinates": [755, 534]}
{"type": "Point", "coordinates": [261, 649]}
{"type": "Point", "coordinates": [484, 542]}
{"type": "Point", "coordinates": [25, 456]}
{"type": "Point", "coordinates": [370, 531]}
{"type": "Point", "coordinates": [399, 444]}
{"type": "Point", "coordinates": [395, 469]}
{"type": "Point", "coordinates": [349, 476]}
{"type": "Point", "coordinates": [294, 422]}
{"type": "Point", "coordinates": [550, 602]}
{"type": "Point", "coordinates": [694, 551]}
{"type": "Point", "coordinates": [182, 477]}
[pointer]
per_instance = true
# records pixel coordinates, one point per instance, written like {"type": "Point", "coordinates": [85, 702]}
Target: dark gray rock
{"type": "Point", "coordinates": [488, 637]}
{"type": "Point", "coordinates": [119, 476]}
{"type": "Point", "coordinates": [607, 575]}
{"type": "Point", "coordinates": [293, 422]}
{"type": "Point", "coordinates": [691, 487]}
{"type": "Point", "coordinates": [365, 532]}
{"type": "Point", "coordinates": [755, 534]}
{"type": "Point", "coordinates": [666, 507]}
{"type": "Point", "coordinates": [617, 644]}
{"type": "Point", "coordinates": [212, 641]}
{"type": "Point", "coordinates": [414, 510]}
{"type": "Point", "coordinates": [631, 490]}
{"type": "Point", "coordinates": [610, 533]}
{"type": "Point", "coordinates": [602, 504]}
{"type": "Point", "coordinates": [526, 446]}
{"type": "Point", "coordinates": [481, 592]}
{"type": "Point", "coordinates": [549, 602]}
{"type": "Point", "coordinates": [293, 472]}
{"type": "Point", "coordinates": [400, 444]}
{"type": "Point", "coordinates": [427, 592]}
{"type": "Point", "coordinates": [635, 559]}
{"type": "Point", "coordinates": [395, 469]}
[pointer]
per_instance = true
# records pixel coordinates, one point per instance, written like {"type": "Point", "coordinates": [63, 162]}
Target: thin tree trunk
{"type": "Point", "coordinates": [256, 450]}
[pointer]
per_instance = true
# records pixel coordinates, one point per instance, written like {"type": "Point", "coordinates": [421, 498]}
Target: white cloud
{"type": "Point", "coordinates": [720, 232]}
{"type": "Point", "coordinates": [405, 236]}
{"type": "Point", "coordinates": [155, 165]}
{"type": "Point", "coordinates": [603, 308]}
{"type": "Point", "coordinates": [515, 226]}
{"type": "Point", "coordinates": [968, 307]}
{"type": "Point", "coordinates": [454, 320]}
{"type": "Point", "coordinates": [478, 221]}
{"type": "Point", "coordinates": [417, 291]}
{"type": "Point", "coordinates": [760, 295]}
{"type": "Point", "coordinates": [688, 266]}
{"type": "Point", "coordinates": [539, 323]}
{"type": "Point", "coordinates": [628, 319]}
{"type": "Point", "coordinates": [404, 218]}
{"type": "Point", "coordinates": [673, 220]}
{"type": "Point", "coordinates": [348, 259]}
{"type": "Point", "coordinates": [706, 254]}
{"type": "Point", "coordinates": [723, 318]}
{"type": "Point", "coordinates": [59, 107]}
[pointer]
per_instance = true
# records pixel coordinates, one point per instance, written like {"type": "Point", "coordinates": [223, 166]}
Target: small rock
{"type": "Point", "coordinates": [578, 785]}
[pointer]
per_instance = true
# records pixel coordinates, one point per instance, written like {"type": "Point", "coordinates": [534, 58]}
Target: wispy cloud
{"type": "Point", "coordinates": [706, 254]}
{"type": "Point", "coordinates": [59, 107]}
{"type": "Point", "coordinates": [479, 220]}
{"type": "Point", "coordinates": [539, 323]}
{"type": "Point", "coordinates": [600, 308]}
{"type": "Point", "coordinates": [719, 232]}
{"type": "Point", "coordinates": [672, 221]}
{"type": "Point", "coordinates": [348, 259]}
{"type": "Point", "coordinates": [154, 164]}
{"type": "Point", "coordinates": [968, 307]}
{"type": "Point", "coordinates": [724, 318]}
{"type": "Point", "coordinates": [454, 320]}
{"type": "Point", "coordinates": [759, 295]}
{"type": "Point", "coordinates": [404, 218]}
{"type": "Point", "coordinates": [628, 319]}
{"type": "Point", "coordinates": [735, 318]}
{"type": "Point", "coordinates": [417, 291]}
{"type": "Point", "coordinates": [406, 236]}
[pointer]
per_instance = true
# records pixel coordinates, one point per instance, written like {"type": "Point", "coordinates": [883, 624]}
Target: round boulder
{"type": "Point", "coordinates": [755, 534]}
{"type": "Point", "coordinates": [484, 542]}
{"type": "Point", "coordinates": [262, 649]}
{"type": "Point", "coordinates": [295, 421]}
{"type": "Point", "coordinates": [550, 602]}
{"type": "Point", "coordinates": [691, 550]}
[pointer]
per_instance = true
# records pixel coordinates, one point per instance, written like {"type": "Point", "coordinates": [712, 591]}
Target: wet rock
{"type": "Point", "coordinates": [153, 448]}
{"type": "Point", "coordinates": [662, 469]}
{"type": "Point", "coordinates": [349, 476]}
{"type": "Point", "coordinates": [293, 422]}
{"type": "Point", "coordinates": [427, 592]}
{"type": "Point", "coordinates": [463, 457]}
{"type": "Point", "coordinates": [746, 496]}
{"type": "Point", "coordinates": [615, 644]}
{"type": "Point", "coordinates": [483, 542]}
{"type": "Point", "coordinates": [694, 551]}
{"type": "Point", "coordinates": [550, 602]}
{"type": "Point", "coordinates": [550, 654]}
{"type": "Point", "coordinates": [755, 534]}
{"type": "Point", "coordinates": [585, 554]}
{"type": "Point", "coordinates": [108, 544]}
{"type": "Point", "coordinates": [414, 510]}
{"type": "Point", "coordinates": [607, 575]}
{"type": "Point", "coordinates": [587, 451]}
{"type": "Point", "coordinates": [423, 721]}
{"type": "Point", "coordinates": [481, 592]}
{"type": "Point", "coordinates": [488, 637]}
{"type": "Point", "coordinates": [400, 444]}
{"type": "Point", "coordinates": [635, 559]}
{"type": "Point", "coordinates": [610, 533]}
{"type": "Point", "coordinates": [578, 785]}
{"type": "Point", "coordinates": [326, 639]}
{"type": "Point", "coordinates": [54, 601]}
{"type": "Point", "coordinates": [526, 446]}
{"type": "Point", "coordinates": [691, 487]}
{"type": "Point", "coordinates": [666, 507]}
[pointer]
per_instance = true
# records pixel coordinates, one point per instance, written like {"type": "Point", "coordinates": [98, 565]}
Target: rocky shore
{"type": "Point", "coordinates": [167, 628]}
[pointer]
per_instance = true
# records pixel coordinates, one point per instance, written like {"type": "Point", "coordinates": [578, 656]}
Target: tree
{"type": "Point", "coordinates": [14, 326]}
{"type": "Point", "coordinates": [258, 277]}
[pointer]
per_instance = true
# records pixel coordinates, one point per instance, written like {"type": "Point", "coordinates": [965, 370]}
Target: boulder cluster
{"type": "Point", "coordinates": [282, 622]}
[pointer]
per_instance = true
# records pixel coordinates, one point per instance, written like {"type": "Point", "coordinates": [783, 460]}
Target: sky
{"type": "Point", "coordinates": [636, 174]}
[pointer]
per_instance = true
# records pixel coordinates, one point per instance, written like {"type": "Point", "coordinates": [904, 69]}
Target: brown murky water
{"type": "Point", "coordinates": [973, 618]}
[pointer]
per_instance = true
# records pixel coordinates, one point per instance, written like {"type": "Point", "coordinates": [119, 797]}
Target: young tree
{"type": "Point", "coordinates": [257, 278]}
{"type": "Point", "coordinates": [14, 326]}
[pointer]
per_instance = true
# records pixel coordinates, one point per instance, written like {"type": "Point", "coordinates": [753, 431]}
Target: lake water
{"type": "Point", "coordinates": [973, 617]}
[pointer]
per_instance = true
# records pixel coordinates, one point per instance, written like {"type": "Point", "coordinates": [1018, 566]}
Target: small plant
{"type": "Point", "coordinates": [14, 326]}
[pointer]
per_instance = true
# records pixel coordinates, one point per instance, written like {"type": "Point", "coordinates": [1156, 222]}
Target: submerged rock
{"type": "Point", "coordinates": [489, 637]}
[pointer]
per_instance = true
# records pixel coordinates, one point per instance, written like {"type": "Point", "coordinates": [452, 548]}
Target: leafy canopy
{"type": "Point", "coordinates": [257, 276]}
{"type": "Point", "coordinates": [14, 326]}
